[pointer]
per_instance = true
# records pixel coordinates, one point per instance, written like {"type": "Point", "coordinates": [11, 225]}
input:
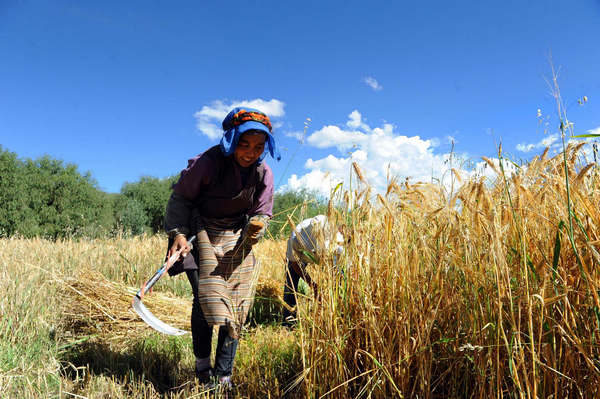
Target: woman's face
{"type": "Point", "coordinates": [249, 148]}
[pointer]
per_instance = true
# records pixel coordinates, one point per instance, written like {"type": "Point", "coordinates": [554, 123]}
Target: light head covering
{"type": "Point", "coordinates": [241, 120]}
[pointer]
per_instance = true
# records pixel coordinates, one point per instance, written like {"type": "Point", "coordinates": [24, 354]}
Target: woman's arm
{"type": "Point", "coordinates": [192, 180]}
{"type": "Point", "coordinates": [179, 211]}
{"type": "Point", "coordinates": [301, 271]}
{"type": "Point", "coordinates": [263, 195]}
{"type": "Point", "coordinates": [261, 210]}
{"type": "Point", "coordinates": [177, 222]}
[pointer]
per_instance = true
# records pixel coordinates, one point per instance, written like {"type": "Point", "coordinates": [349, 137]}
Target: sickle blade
{"type": "Point", "coordinates": [152, 320]}
{"type": "Point", "coordinates": [143, 311]}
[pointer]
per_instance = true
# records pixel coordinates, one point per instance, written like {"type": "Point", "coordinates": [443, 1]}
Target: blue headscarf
{"type": "Point", "coordinates": [241, 120]}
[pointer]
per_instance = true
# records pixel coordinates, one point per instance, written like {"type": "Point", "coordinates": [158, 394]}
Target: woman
{"type": "Point", "coordinates": [225, 197]}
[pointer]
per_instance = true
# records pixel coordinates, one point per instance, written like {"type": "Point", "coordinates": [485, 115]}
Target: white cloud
{"type": "Point", "coordinates": [546, 142]}
{"type": "Point", "coordinates": [298, 135]}
{"type": "Point", "coordinates": [380, 152]}
{"type": "Point", "coordinates": [435, 142]}
{"type": "Point", "coordinates": [329, 163]}
{"type": "Point", "coordinates": [372, 83]}
{"type": "Point", "coordinates": [355, 121]}
{"type": "Point", "coordinates": [333, 136]}
{"type": "Point", "coordinates": [315, 181]}
{"type": "Point", "coordinates": [594, 131]}
{"type": "Point", "coordinates": [209, 117]}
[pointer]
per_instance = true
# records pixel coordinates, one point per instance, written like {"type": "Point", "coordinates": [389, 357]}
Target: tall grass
{"type": "Point", "coordinates": [478, 295]}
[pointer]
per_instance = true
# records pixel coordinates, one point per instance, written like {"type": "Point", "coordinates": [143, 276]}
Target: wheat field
{"type": "Point", "coordinates": [489, 290]}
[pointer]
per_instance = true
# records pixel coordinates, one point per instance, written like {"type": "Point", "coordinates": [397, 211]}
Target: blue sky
{"type": "Point", "coordinates": [126, 89]}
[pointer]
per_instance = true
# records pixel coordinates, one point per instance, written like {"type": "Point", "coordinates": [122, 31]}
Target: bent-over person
{"type": "Point", "coordinates": [306, 245]}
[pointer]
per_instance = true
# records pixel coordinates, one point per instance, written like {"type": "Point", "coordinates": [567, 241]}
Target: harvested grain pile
{"type": "Point", "coordinates": [92, 304]}
{"type": "Point", "coordinates": [269, 288]}
{"type": "Point", "coordinates": [268, 302]}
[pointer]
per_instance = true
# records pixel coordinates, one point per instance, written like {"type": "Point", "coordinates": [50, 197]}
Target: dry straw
{"type": "Point", "coordinates": [95, 305]}
{"type": "Point", "coordinates": [476, 295]}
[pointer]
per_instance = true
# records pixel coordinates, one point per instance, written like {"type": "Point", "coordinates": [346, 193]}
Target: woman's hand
{"type": "Point", "coordinates": [179, 243]}
{"type": "Point", "coordinates": [255, 229]}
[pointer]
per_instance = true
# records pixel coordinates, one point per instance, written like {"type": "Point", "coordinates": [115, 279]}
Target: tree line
{"type": "Point", "coordinates": [50, 199]}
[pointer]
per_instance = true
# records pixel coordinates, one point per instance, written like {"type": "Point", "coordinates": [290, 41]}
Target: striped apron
{"type": "Point", "coordinates": [227, 275]}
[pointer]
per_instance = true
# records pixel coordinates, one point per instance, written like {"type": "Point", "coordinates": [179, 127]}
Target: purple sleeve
{"type": "Point", "coordinates": [263, 203]}
{"type": "Point", "coordinates": [192, 181]}
{"type": "Point", "coordinates": [195, 177]}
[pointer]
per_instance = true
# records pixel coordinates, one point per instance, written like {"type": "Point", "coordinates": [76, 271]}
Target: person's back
{"type": "Point", "coordinates": [310, 235]}
{"type": "Point", "coordinates": [307, 243]}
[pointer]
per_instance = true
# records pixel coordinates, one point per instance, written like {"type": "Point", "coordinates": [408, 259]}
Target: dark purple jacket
{"type": "Point", "coordinates": [212, 185]}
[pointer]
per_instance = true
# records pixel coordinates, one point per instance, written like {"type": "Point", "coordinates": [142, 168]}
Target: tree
{"type": "Point", "coordinates": [61, 202]}
{"type": "Point", "coordinates": [152, 194]}
{"type": "Point", "coordinates": [12, 193]}
{"type": "Point", "coordinates": [131, 217]}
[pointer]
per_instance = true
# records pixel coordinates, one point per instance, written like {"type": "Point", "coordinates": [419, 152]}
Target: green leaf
{"type": "Point", "coordinates": [531, 267]}
{"type": "Point", "coordinates": [339, 185]}
{"type": "Point", "coordinates": [556, 255]}
{"type": "Point", "coordinates": [310, 256]}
